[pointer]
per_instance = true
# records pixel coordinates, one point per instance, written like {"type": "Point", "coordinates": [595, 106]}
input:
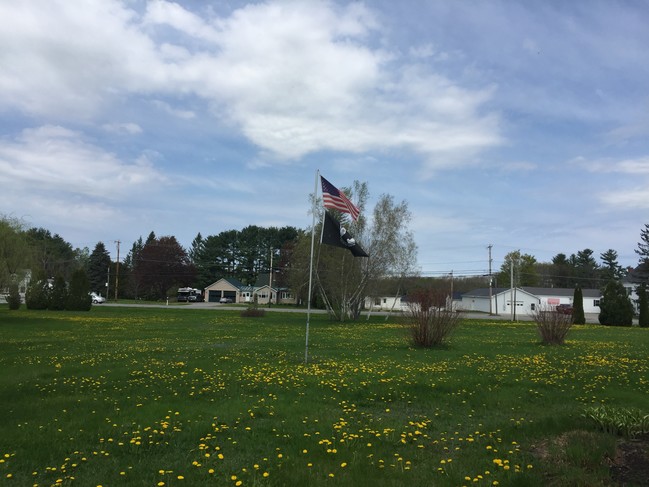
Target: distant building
{"type": "Point", "coordinates": [526, 299]}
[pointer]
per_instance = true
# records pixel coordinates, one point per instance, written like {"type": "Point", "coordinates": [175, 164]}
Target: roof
{"type": "Point", "coordinates": [536, 291]}
{"type": "Point", "coordinates": [233, 281]}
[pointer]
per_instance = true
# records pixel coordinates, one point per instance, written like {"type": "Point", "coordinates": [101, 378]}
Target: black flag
{"type": "Point", "coordinates": [335, 234]}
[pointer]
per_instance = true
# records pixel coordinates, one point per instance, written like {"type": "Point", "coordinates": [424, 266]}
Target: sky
{"type": "Point", "coordinates": [521, 125]}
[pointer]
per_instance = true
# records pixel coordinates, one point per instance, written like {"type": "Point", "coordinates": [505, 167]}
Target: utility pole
{"type": "Point", "coordinates": [270, 280]}
{"type": "Point", "coordinates": [107, 283]}
{"type": "Point", "coordinates": [117, 271]}
{"type": "Point", "coordinates": [490, 281]}
{"type": "Point", "coordinates": [511, 286]}
{"type": "Point", "coordinates": [451, 300]}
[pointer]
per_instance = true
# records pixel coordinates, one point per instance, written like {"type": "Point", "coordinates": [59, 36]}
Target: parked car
{"type": "Point", "coordinates": [225, 300]}
{"type": "Point", "coordinates": [565, 309]}
{"type": "Point", "coordinates": [97, 298]}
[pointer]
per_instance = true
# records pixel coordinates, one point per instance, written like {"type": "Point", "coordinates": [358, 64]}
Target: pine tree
{"type": "Point", "coordinates": [578, 316]}
{"type": "Point", "coordinates": [98, 265]}
{"type": "Point", "coordinates": [643, 252]}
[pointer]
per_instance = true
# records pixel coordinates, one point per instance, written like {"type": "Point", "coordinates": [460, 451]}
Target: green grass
{"type": "Point", "coordinates": [178, 396]}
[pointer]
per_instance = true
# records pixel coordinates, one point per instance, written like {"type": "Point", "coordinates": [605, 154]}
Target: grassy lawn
{"type": "Point", "coordinates": [173, 397]}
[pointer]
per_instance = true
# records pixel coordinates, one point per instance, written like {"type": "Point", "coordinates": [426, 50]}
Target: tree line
{"type": "Point", "coordinates": [579, 269]}
{"type": "Point", "coordinates": [154, 267]}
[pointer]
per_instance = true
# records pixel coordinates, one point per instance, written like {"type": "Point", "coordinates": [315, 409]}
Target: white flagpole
{"type": "Point", "coordinates": [308, 309]}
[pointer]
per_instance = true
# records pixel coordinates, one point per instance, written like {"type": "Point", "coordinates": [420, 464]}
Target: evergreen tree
{"type": "Point", "coordinates": [586, 268]}
{"type": "Point", "coordinates": [13, 299]}
{"type": "Point", "coordinates": [79, 293]}
{"type": "Point", "coordinates": [58, 294]}
{"type": "Point", "coordinates": [562, 271]}
{"type": "Point", "coordinates": [578, 316]}
{"type": "Point", "coordinates": [196, 249]}
{"type": "Point", "coordinates": [615, 306]}
{"type": "Point", "coordinates": [642, 272]}
{"type": "Point", "coordinates": [643, 305]}
{"type": "Point", "coordinates": [37, 294]}
{"type": "Point", "coordinates": [98, 265]}
{"type": "Point", "coordinates": [129, 284]}
{"type": "Point", "coordinates": [610, 268]}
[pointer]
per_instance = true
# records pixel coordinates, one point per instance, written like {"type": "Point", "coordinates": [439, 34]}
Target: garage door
{"type": "Point", "coordinates": [214, 296]}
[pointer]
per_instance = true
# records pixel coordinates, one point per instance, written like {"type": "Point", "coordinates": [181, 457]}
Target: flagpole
{"type": "Point", "coordinates": [308, 309]}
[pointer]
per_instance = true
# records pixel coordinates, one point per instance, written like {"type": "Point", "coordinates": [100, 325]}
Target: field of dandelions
{"type": "Point", "coordinates": [175, 397]}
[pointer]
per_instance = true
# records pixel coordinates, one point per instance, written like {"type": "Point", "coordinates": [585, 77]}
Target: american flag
{"type": "Point", "coordinates": [336, 199]}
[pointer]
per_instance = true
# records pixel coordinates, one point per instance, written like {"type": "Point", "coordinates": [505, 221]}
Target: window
{"type": "Point", "coordinates": [595, 302]}
{"type": "Point", "coordinates": [377, 301]}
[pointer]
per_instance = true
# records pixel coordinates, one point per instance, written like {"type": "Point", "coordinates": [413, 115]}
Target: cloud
{"type": "Point", "coordinates": [65, 61]}
{"type": "Point", "coordinates": [632, 198]}
{"type": "Point", "coordinates": [127, 128]}
{"type": "Point", "coordinates": [295, 78]}
{"type": "Point", "coordinates": [176, 112]}
{"type": "Point", "coordinates": [636, 166]}
{"type": "Point", "coordinates": [57, 161]}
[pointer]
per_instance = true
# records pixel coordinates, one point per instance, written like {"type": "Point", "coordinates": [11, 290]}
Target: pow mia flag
{"type": "Point", "coordinates": [335, 234]}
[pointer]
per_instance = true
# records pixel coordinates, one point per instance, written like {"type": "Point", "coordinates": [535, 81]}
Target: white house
{"type": "Point", "coordinates": [555, 296]}
{"type": "Point", "coordinates": [527, 299]}
{"type": "Point", "coordinates": [385, 303]}
{"type": "Point", "coordinates": [501, 300]}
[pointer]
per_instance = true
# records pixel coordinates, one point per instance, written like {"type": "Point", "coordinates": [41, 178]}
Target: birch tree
{"type": "Point", "coordinates": [344, 281]}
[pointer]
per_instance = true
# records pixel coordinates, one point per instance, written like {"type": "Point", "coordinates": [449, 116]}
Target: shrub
{"type": "Point", "coordinates": [79, 293]}
{"type": "Point", "coordinates": [429, 321]}
{"type": "Point", "coordinates": [552, 325]}
{"type": "Point", "coordinates": [643, 305]}
{"type": "Point", "coordinates": [58, 295]}
{"type": "Point", "coordinates": [13, 298]}
{"type": "Point", "coordinates": [253, 311]}
{"type": "Point", "coordinates": [37, 294]}
{"type": "Point", "coordinates": [615, 306]}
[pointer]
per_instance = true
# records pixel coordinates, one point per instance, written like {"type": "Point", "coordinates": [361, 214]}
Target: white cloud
{"type": "Point", "coordinates": [127, 128]}
{"type": "Point", "coordinates": [628, 199]}
{"type": "Point", "coordinates": [176, 112]}
{"type": "Point", "coordinates": [625, 166]}
{"type": "Point", "coordinates": [294, 77]}
{"type": "Point", "coordinates": [66, 60]}
{"type": "Point", "coordinates": [56, 161]}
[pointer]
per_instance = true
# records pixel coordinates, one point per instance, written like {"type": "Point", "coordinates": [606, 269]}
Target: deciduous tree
{"type": "Point", "coordinates": [161, 265]}
{"type": "Point", "coordinates": [344, 280]}
{"type": "Point", "coordinates": [14, 259]}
